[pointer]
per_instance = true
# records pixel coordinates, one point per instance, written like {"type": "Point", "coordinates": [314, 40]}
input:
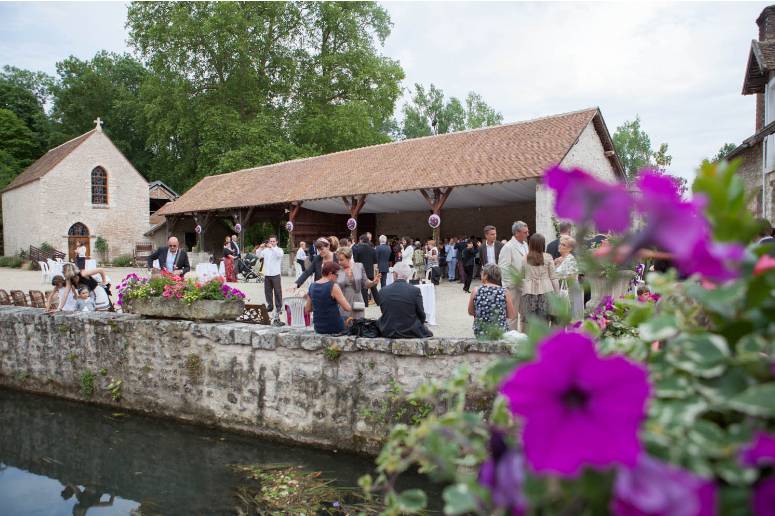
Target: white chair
{"type": "Point", "coordinates": [212, 270]}
{"type": "Point", "coordinates": [44, 271]}
{"type": "Point", "coordinates": [54, 268]}
{"type": "Point", "coordinates": [294, 310]}
{"type": "Point", "coordinates": [222, 269]}
{"type": "Point", "coordinates": [90, 264]}
{"type": "Point", "coordinates": [203, 271]}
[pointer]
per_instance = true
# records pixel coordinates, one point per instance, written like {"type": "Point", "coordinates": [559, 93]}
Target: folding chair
{"type": "Point", "coordinates": [5, 299]}
{"type": "Point", "coordinates": [45, 272]}
{"type": "Point", "coordinates": [37, 299]}
{"type": "Point", "coordinates": [18, 298]}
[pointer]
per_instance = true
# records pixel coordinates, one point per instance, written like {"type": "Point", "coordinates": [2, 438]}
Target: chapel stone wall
{"type": "Point", "coordinates": [22, 218]}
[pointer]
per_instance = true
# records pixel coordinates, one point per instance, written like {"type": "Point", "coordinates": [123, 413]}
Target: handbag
{"type": "Point", "coordinates": [564, 290]}
{"type": "Point", "coordinates": [367, 328]}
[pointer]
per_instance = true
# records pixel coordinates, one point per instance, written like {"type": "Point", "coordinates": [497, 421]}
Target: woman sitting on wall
{"type": "Point", "coordinates": [324, 299]}
{"type": "Point", "coordinates": [491, 304]}
{"type": "Point", "coordinates": [75, 278]}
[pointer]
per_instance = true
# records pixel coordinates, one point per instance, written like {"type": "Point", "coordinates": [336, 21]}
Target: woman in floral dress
{"type": "Point", "coordinates": [491, 304]}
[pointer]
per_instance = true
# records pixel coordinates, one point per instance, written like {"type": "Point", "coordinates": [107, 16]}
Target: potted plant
{"type": "Point", "coordinates": [173, 297]}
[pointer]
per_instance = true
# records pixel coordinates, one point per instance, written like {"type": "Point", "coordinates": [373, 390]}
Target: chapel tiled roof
{"type": "Point", "coordinates": [508, 152]}
{"type": "Point", "coordinates": [47, 162]}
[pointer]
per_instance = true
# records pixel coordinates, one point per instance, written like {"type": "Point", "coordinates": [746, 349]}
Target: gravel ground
{"type": "Point", "coordinates": [451, 302]}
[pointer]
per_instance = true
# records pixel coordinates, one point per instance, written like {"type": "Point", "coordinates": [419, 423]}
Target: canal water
{"type": "Point", "coordinates": [64, 458]}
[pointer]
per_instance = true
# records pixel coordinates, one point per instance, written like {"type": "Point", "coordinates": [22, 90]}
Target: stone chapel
{"type": "Point", "coordinates": [81, 190]}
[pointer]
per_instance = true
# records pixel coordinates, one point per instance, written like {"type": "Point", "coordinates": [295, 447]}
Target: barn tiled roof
{"type": "Point", "coordinates": [47, 162]}
{"type": "Point", "coordinates": [507, 152]}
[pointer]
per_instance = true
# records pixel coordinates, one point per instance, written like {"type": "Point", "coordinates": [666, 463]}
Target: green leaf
{"type": "Point", "coordinates": [702, 355]}
{"type": "Point", "coordinates": [660, 327]}
{"type": "Point", "coordinates": [720, 389]}
{"type": "Point", "coordinates": [734, 501]}
{"type": "Point", "coordinates": [675, 386]}
{"type": "Point", "coordinates": [758, 400]}
{"type": "Point", "coordinates": [732, 473]}
{"type": "Point", "coordinates": [412, 500]}
{"type": "Point", "coordinates": [498, 371]}
{"type": "Point", "coordinates": [670, 413]}
{"type": "Point", "coordinates": [711, 439]}
{"type": "Point", "coordinates": [722, 300]}
{"type": "Point", "coordinates": [459, 499]}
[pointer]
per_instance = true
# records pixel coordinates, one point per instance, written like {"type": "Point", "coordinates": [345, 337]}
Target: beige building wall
{"type": "Point", "coordinates": [588, 153]}
{"type": "Point", "coordinates": [65, 198]}
{"type": "Point", "coordinates": [21, 218]}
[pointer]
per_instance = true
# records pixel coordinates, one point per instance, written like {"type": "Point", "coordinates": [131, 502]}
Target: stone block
{"type": "Point", "coordinates": [380, 345]}
{"type": "Point", "coordinates": [408, 347]}
{"type": "Point", "coordinates": [264, 339]}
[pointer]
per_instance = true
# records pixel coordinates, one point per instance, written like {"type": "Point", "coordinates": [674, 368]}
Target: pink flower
{"type": "Point", "coordinates": [582, 198]}
{"type": "Point", "coordinates": [764, 497]}
{"type": "Point", "coordinates": [658, 489]}
{"type": "Point", "coordinates": [579, 409]}
{"type": "Point", "coordinates": [765, 263]}
{"type": "Point", "coordinates": [504, 474]}
{"type": "Point", "coordinates": [713, 261]}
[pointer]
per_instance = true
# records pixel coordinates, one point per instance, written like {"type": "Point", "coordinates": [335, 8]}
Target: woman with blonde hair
{"type": "Point", "coordinates": [352, 280]}
{"type": "Point", "coordinates": [568, 273]}
{"type": "Point", "coordinates": [75, 278]}
{"type": "Point", "coordinates": [334, 243]}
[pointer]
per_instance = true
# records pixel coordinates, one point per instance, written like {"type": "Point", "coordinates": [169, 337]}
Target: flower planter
{"type": "Point", "coordinates": [202, 310]}
{"type": "Point", "coordinates": [603, 286]}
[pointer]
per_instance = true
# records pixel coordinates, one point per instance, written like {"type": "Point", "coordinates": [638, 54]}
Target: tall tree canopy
{"type": "Point", "coordinates": [633, 146]}
{"type": "Point", "coordinates": [429, 113]}
{"type": "Point", "coordinates": [244, 84]}
{"type": "Point", "coordinates": [723, 151]}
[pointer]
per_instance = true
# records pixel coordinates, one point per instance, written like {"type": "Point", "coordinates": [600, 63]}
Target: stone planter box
{"type": "Point", "coordinates": [608, 286]}
{"type": "Point", "coordinates": [203, 310]}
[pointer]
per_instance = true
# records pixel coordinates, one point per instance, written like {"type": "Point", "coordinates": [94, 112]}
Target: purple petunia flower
{"type": "Point", "coordinates": [764, 497]}
{"type": "Point", "coordinates": [713, 261]}
{"type": "Point", "coordinates": [582, 198]}
{"type": "Point", "coordinates": [579, 409]}
{"type": "Point", "coordinates": [760, 452]}
{"type": "Point", "coordinates": [658, 489]}
{"type": "Point", "coordinates": [503, 474]}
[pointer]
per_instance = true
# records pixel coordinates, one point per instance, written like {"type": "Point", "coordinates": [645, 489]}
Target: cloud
{"type": "Point", "coordinates": [678, 65]}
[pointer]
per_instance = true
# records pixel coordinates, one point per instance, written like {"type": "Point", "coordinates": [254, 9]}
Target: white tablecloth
{"type": "Point", "coordinates": [428, 302]}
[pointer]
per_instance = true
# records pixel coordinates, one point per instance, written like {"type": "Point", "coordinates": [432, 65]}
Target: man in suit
{"type": "Point", "coordinates": [364, 253]}
{"type": "Point", "coordinates": [553, 247]}
{"type": "Point", "coordinates": [171, 258]}
{"type": "Point", "coordinates": [490, 250]}
{"type": "Point", "coordinates": [512, 259]}
{"type": "Point", "coordinates": [403, 316]}
{"type": "Point", "coordinates": [459, 247]}
{"type": "Point", "coordinates": [383, 253]}
{"type": "Point", "coordinates": [235, 246]}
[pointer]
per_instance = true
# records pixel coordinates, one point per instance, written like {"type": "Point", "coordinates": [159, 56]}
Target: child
{"type": "Point", "coordinates": [84, 303]}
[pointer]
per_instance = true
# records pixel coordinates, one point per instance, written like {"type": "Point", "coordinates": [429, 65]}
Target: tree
{"type": "Point", "coordinates": [26, 93]}
{"type": "Point", "coordinates": [106, 86]}
{"type": "Point", "coordinates": [723, 151]}
{"type": "Point", "coordinates": [428, 113]}
{"type": "Point", "coordinates": [18, 147]}
{"type": "Point", "coordinates": [633, 146]}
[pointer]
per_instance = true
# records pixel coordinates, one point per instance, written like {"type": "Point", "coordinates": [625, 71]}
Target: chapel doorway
{"type": "Point", "coordinates": [78, 232]}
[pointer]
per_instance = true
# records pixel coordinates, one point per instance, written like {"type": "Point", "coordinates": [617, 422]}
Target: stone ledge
{"type": "Point", "coordinates": [268, 337]}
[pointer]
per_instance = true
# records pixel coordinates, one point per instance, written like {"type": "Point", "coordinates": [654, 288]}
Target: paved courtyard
{"type": "Point", "coordinates": [451, 302]}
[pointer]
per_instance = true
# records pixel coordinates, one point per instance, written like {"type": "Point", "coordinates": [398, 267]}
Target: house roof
{"type": "Point", "coordinates": [753, 140]}
{"type": "Point", "coordinates": [761, 61]}
{"type": "Point", "coordinates": [47, 162]}
{"type": "Point", "coordinates": [161, 184]}
{"type": "Point", "coordinates": [509, 152]}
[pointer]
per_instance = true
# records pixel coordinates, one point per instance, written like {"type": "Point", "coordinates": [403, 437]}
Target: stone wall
{"type": "Point", "coordinates": [21, 218]}
{"type": "Point", "coordinates": [272, 382]}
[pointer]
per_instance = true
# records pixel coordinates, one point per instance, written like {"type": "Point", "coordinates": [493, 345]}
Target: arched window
{"type": "Point", "coordinates": [78, 229]}
{"type": "Point", "coordinates": [99, 186]}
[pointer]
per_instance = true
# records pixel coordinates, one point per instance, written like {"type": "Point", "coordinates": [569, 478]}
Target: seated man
{"type": "Point", "coordinates": [403, 316]}
{"type": "Point", "coordinates": [171, 258]}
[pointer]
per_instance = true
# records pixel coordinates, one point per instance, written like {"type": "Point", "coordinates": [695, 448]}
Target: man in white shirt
{"type": "Point", "coordinates": [272, 255]}
{"type": "Point", "coordinates": [451, 258]}
{"type": "Point", "coordinates": [491, 250]}
{"type": "Point", "coordinates": [512, 258]}
{"type": "Point", "coordinates": [235, 245]}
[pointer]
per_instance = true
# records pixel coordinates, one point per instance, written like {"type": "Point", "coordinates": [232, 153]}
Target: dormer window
{"type": "Point", "coordinates": [99, 186]}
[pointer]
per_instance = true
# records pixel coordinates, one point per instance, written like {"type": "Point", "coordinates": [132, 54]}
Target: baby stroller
{"type": "Point", "coordinates": [245, 270]}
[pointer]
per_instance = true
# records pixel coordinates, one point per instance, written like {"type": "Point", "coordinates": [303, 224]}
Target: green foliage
{"type": "Point", "coordinates": [87, 384]}
{"type": "Point", "coordinates": [723, 151]}
{"type": "Point", "coordinates": [428, 113]}
{"type": "Point", "coordinates": [710, 353]}
{"type": "Point", "coordinates": [114, 388]}
{"type": "Point", "coordinates": [123, 260]}
{"type": "Point", "coordinates": [332, 352]}
{"type": "Point", "coordinates": [11, 261]}
{"type": "Point", "coordinates": [633, 146]}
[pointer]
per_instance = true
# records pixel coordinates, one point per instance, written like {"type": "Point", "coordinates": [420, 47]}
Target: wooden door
{"type": "Point", "coordinates": [77, 233]}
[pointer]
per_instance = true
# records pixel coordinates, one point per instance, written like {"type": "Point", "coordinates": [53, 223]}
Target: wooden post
{"type": "Point", "coordinates": [244, 220]}
{"type": "Point", "coordinates": [436, 201]}
{"type": "Point", "coordinates": [354, 205]}
{"type": "Point", "coordinates": [202, 219]}
{"type": "Point", "coordinates": [294, 211]}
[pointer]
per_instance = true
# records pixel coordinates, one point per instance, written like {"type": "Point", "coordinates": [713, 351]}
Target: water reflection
{"type": "Point", "coordinates": [59, 457]}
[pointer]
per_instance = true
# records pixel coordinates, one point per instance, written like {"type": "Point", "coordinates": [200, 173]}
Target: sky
{"type": "Point", "coordinates": [679, 66]}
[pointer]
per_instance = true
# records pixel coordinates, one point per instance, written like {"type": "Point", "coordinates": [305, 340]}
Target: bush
{"type": "Point", "coordinates": [122, 261]}
{"type": "Point", "coordinates": [46, 248]}
{"type": "Point", "coordinates": [11, 261]}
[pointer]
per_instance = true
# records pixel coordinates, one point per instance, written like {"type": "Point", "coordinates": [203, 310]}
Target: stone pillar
{"type": "Point", "coordinates": [544, 212]}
